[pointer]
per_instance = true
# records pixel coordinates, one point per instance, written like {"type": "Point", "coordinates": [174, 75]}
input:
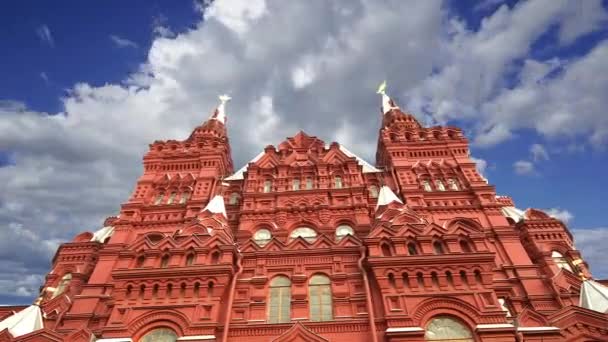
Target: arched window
{"type": "Point", "coordinates": [306, 233]}
{"type": "Point", "coordinates": [158, 199]}
{"type": "Point", "coordinates": [373, 191]}
{"type": "Point", "coordinates": [196, 290]}
{"type": "Point", "coordinates": [438, 247]}
{"type": "Point", "coordinates": [190, 259]}
{"type": "Point", "coordinates": [63, 284]}
{"type": "Point", "coordinates": [338, 182]}
{"type": "Point", "coordinates": [164, 261]}
{"type": "Point", "coordinates": [185, 197]}
{"type": "Point", "coordinates": [561, 261]}
{"type": "Point", "coordinates": [319, 296]}
{"type": "Point", "coordinates": [426, 185]}
{"type": "Point", "coordinates": [155, 291]}
{"type": "Point", "coordinates": [140, 261]}
{"type": "Point", "coordinates": [171, 197]}
{"type": "Point", "coordinates": [440, 185]}
{"type": "Point", "coordinates": [169, 290]}
{"type": "Point", "coordinates": [453, 184]}
{"type": "Point", "coordinates": [309, 183]}
{"type": "Point", "coordinates": [411, 248]}
{"type": "Point", "coordinates": [343, 230]}
{"type": "Point", "coordinates": [386, 249]}
{"type": "Point", "coordinates": [262, 237]}
{"type": "Point", "coordinates": [234, 198]}
{"type": "Point", "coordinates": [129, 291]}
{"type": "Point", "coordinates": [210, 287]}
{"type": "Point", "coordinates": [279, 307]}
{"type": "Point", "coordinates": [159, 335]}
{"type": "Point", "coordinates": [445, 328]}
{"type": "Point", "coordinates": [295, 185]}
{"type": "Point", "coordinates": [182, 290]}
{"type": "Point", "coordinates": [465, 247]}
{"type": "Point", "coordinates": [215, 258]}
{"type": "Point", "coordinates": [391, 280]}
{"type": "Point", "coordinates": [267, 186]}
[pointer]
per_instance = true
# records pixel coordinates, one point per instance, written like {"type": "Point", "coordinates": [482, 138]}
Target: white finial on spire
{"type": "Point", "coordinates": [386, 196]}
{"type": "Point", "coordinates": [387, 103]}
{"type": "Point", "coordinates": [220, 112]}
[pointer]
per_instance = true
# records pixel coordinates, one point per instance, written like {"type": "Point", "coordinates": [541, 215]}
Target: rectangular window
{"type": "Point", "coordinates": [295, 185]}
{"type": "Point", "coordinates": [280, 306]}
{"type": "Point", "coordinates": [308, 183]}
{"type": "Point", "coordinates": [267, 186]}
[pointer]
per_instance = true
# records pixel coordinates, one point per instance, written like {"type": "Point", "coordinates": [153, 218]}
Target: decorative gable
{"type": "Point", "coordinates": [299, 333]}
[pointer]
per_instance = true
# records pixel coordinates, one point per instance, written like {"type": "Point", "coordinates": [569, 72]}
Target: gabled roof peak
{"type": "Point", "coordinates": [386, 196]}
{"type": "Point", "coordinates": [216, 206]}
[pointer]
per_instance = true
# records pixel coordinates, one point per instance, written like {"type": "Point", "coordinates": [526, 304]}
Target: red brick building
{"type": "Point", "coordinates": [308, 242]}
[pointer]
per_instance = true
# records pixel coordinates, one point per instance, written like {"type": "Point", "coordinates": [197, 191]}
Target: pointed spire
{"type": "Point", "coordinates": [594, 296]}
{"type": "Point", "coordinates": [220, 112]}
{"type": "Point", "coordinates": [387, 102]}
{"type": "Point", "coordinates": [386, 196]}
{"type": "Point", "coordinates": [23, 322]}
{"type": "Point", "coordinates": [216, 206]}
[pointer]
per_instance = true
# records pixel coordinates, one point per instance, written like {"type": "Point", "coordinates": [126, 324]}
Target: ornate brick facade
{"type": "Point", "coordinates": [447, 254]}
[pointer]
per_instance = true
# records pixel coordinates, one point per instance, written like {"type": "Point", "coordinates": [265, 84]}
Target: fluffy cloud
{"type": "Point", "coordinates": [538, 152]}
{"type": "Point", "coordinates": [560, 214]}
{"type": "Point", "coordinates": [524, 167]}
{"type": "Point", "coordinates": [471, 83]}
{"type": "Point", "coordinates": [44, 33]}
{"type": "Point", "coordinates": [592, 243]}
{"type": "Point", "coordinates": [286, 72]}
{"type": "Point", "coordinates": [122, 42]}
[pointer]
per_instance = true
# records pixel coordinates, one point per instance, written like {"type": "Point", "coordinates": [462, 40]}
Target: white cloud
{"type": "Point", "coordinates": [481, 164]}
{"type": "Point", "coordinates": [592, 244]}
{"type": "Point", "coordinates": [44, 33]}
{"type": "Point", "coordinates": [524, 167]}
{"type": "Point", "coordinates": [538, 152]}
{"type": "Point", "coordinates": [469, 83]}
{"type": "Point", "coordinates": [560, 214]}
{"type": "Point", "coordinates": [122, 42]}
{"type": "Point", "coordinates": [44, 77]}
{"type": "Point", "coordinates": [237, 15]}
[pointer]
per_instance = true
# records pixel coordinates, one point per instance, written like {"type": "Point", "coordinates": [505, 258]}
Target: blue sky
{"type": "Point", "coordinates": [86, 86]}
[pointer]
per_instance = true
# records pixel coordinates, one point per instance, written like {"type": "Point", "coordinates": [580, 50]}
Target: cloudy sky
{"type": "Point", "coordinates": [85, 89]}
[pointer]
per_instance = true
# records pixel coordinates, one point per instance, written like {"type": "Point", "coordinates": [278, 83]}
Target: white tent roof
{"type": "Point", "coordinates": [512, 212]}
{"type": "Point", "coordinates": [23, 322]}
{"type": "Point", "coordinates": [594, 296]}
{"type": "Point", "coordinates": [216, 206]}
{"type": "Point", "coordinates": [386, 196]}
{"type": "Point", "coordinates": [367, 167]}
{"type": "Point", "coordinates": [102, 234]}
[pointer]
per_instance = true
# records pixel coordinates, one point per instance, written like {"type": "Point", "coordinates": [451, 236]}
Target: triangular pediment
{"type": "Point", "coordinates": [42, 335]}
{"type": "Point", "coordinates": [249, 246]}
{"type": "Point", "coordinates": [274, 245]}
{"type": "Point", "coordinates": [82, 335]}
{"type": "Point", "coordinates": [195, 228]}
{"type": "Point", "coordinates": [349, 241]}
{"type": "Point", "coordinates": [464, 226]}
{"type": "Point", "coordinates": [298, 244]}
{"type": "Point", "coordinates": [382, 231]}
{"type": "Point", "coordinates": [268, 161]}
{"type": "Point", "coordinates": [323, 241]}
{"type": "Point", "coordinates": [299, 333]}
{"type": "Point", "coordinates": [302, 141]}
{"type": "Point", "coordinates": [216, 240]}
{"type": "Point", "coordinates": [434, 230]}
{"type": "Point", "coordinates": [335, 156]}
{"type": "Point", "coordinates": [529, 318]}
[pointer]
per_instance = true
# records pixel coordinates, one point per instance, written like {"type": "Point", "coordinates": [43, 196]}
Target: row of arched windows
{"type": "Point", "coordinates": [387, 249]}
{"type": "Point", "coordinates": [440, 185]}
{"type": "Point", "coordinates": [263, 235]}
{"type": "Point", "coordinates": [188, 261]}
{"type": "Point", "coordinates": [308, 184]}
{"type": "Point", "coordinates": [319, 299]}
{"type": "Point", "coordinates": [169, 291]}
{"type": "Point", "coordinates": [172, 198]}
{"type": "Point", "coordinates": [417, 280]}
